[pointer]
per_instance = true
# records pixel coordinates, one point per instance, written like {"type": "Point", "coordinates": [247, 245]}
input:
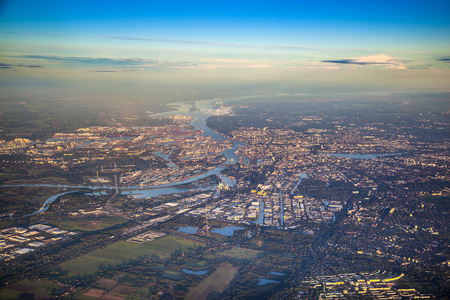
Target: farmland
{"type": "Point", "coordinates": [123, 251]}
{"type": "Point", "coordinates": [217, 282]}
{"type": "Point", "coordinates": [27, 289]}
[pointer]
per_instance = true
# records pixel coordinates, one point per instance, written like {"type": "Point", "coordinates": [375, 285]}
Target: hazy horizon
{"type": "Point", "coordinates": [186, 50]}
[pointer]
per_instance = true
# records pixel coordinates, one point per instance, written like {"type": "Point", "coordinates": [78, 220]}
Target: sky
{"type": "Point", "coordinates": [208, 49]}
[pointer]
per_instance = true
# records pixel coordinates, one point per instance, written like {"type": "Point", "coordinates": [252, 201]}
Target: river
{"type": "Point", "coordinates": [261, 213]}
{"type": "Point", "coordinates": [200, 111]}
{"type": "Point", "coordinates": [302, 176]}
{"type": "Point", "coordinates": [44, 207]}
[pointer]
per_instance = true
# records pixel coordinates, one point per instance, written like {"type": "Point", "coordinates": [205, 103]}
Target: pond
{"type": "Point", "coordinates": [277, 273]}
{"type": "Point", "coordinates": [263, 281]}
{"type": "Point", "coordinates": [227, 231]}
{"type": "Point", "coordinates": [188, 229]}
{"type": "Point", "coordinates": [201, 272]}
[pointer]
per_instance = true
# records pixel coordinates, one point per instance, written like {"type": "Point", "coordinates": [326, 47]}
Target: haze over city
{"type": "Point", "coordinates": [224, 150]}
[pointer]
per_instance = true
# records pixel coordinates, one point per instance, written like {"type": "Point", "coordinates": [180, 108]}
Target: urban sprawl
{"type": "Point", "coordinates": [354, 188]}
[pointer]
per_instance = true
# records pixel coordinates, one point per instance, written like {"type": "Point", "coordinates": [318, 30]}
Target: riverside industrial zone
{"type": "Point", "coordinates": [355, 206]}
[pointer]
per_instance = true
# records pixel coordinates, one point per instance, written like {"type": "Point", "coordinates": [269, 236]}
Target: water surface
{"type": "Point", "coordinates": [227, 231]}
{"type": "Point", "coordinates": [277, 273]}
{"type": "Point", "coordinates": [261, 213]}
{"type": "Point", "coordinates": [188, 229]}
{"type": "Point", "coordinates": [263, 281]}
{"type": "Point", "coordinates": [201, 272]}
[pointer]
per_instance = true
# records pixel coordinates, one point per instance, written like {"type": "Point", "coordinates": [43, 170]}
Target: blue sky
{"type": "Point", "coordinates": [227, 47]}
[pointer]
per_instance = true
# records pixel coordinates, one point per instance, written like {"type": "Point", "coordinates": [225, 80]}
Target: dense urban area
{"type": "Point", "coordinates": [250, 198]}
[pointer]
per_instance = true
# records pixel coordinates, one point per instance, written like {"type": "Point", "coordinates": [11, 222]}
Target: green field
{"type": "Point", "coordinates": [173, 275]}
{"type": "Point", "coordinates": [44, 180]}
{"type": "Point", "coordinates": [26, 199]}
{"type": "Point", "coordinates": [216, 282]}
{"type": "Point", "coordinates": [39, 288]}
{"type": "Point", "coordinates": [123, 251]}
{"type": "Point", "coordinates": [236, 253]}
{"type": "Point", "coordinates": [88, 224]}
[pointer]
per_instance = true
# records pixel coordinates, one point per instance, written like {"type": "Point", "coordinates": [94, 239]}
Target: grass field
{"type": "Point", "coordinates": [236, 253]}
{"type": "Point", "coordinates": [106, 283]}
{"type": "Point", "coordinates": [27, 199]}
{"type": "Point", "coordinates": [88, 224]}
{"type": "Point", "coordinates": [40, 289]}
{"type": "Point", "coordinates": [123, 251]}
{"type": "Point", "coordinates": [216, 282]}
{"type": "Point", "coordinates": [173, 275]}
{"type": "Point", "coordinates": [52, 180]}
{"type": "Point", "coordinates": [94, 293]}
{"type": "Point", "coordinates": [44, 180]}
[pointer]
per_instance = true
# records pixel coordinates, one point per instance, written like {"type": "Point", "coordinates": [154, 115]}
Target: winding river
{"type": "Point", "coordinates": [200, 111]}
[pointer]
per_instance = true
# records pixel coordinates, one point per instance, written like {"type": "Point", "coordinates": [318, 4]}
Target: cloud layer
{"type": "Point", "coordinates": [10, 66]}
{"type": "Point", "coordinates": [184, 42]}
{"type": "Point", "coordinates": [445, 59]}
{"type": "Point", "coordinates": [378, 59]}
{"type": "Point", "coordinates": [137, 64]}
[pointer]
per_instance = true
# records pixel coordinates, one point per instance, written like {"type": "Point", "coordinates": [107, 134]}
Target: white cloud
{"type": "Point", "coordinates": [374, 59]}
{"type": "Point", "coordinates": [238, 63]}
{"type": "Point", "coordinates": [377, 59]}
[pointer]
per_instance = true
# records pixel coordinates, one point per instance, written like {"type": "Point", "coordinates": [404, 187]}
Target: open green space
{"type": "Point", "coordinates": [51, 180]}
{"type": "Point", "coordinates": [123, 251]}
{"type": "Point", "coordinates": [107, 283]}
{"type": "Point", "coordinates": [23, 200]}
{"type": "Point", "coordinates": [40, 289]}
{"type": "Point", "coordinates": [236, 253]}
{"type": "Point", "coordinates": [217, 282]}
{"type": "Point", "coordinates": [173, 275]}
{"type": "Point", "coordinates": [88, 224]}
{"type": "Point", "coordinates": [10, 178]}
{"type": "Point", "coordinates": [142, 293]}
